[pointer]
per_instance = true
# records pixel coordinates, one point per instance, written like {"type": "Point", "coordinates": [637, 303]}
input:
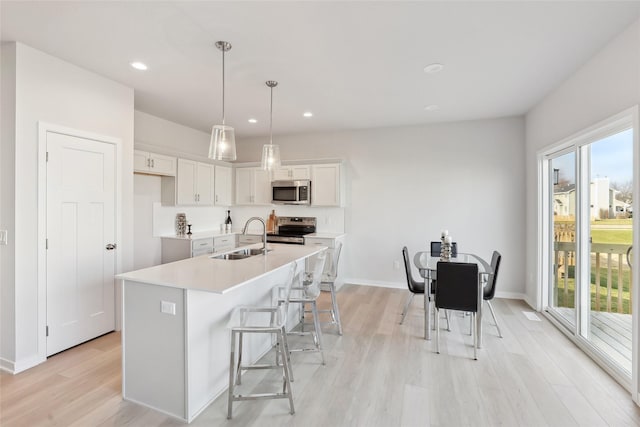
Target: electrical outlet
{"type": "Point", "coordinates": [3, 237]}
{"type": "Point", "coordinates": [168, 307]}
{"type": "Point", "coordinates": [396, 265]}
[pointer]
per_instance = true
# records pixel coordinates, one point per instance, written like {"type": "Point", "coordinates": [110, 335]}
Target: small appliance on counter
{"type": "Point", "coordinates": [292, 229]}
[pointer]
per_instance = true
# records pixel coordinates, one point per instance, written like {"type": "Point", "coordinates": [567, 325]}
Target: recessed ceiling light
{"type": "Point", "coordinates": [308, 114]}
{"type": "Point", "coordinates": [433, 68]}
{"type": "Point", "coordinates": [139, 65]}
{"type": "Point", "coordinates": [253, 121]}
{"type": "Point", "coordinates": [432, 107]}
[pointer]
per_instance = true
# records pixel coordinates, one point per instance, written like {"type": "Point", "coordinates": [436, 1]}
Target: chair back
{"type": "Point", "coordinates": [336, 257]}
{"type": "Point", "coordinates": [413, 285]}
{"type": "Point", "coordinates": [457, 286]}
{"type": "Point", "coordinates": [437, 246]}
{"type": "Point", "coordinates": [294, 278]}
{"type": "Point", "coordinates": [312, 290]}
{"type": "Point", "coordinates": [490, 289]}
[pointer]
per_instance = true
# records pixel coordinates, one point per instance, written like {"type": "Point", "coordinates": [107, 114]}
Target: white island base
{"type": "Point", "coordinates": [179, 363]}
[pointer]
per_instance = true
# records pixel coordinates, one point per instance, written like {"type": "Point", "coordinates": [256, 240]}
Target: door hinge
{"type": "Point", "coordinates": [46, 243]}
{"type": "Point", "coordinates": [47, 330]}
{"type": "Point", "coordinates": [47, 156]}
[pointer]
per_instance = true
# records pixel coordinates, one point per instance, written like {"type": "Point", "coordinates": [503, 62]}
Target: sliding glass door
{"type": "Point", "coordinates": [563, 253]}
{"type": "Point", "coordinates": [589, 183]}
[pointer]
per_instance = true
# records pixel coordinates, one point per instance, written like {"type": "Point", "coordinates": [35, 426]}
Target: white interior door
{"type": "Point", "coordinates": [80, 227]}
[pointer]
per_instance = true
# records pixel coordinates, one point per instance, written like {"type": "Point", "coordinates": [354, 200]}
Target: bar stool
{"type": "Point", "coordinates": [329, 279]}
{"type": "Point", "coordinates": [308, 294]}
{"type": "Point", "coordinates": [262, 320]}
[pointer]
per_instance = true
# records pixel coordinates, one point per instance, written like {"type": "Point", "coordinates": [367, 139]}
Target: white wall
{"type": "Point", "coordinates": [53, 91]}
{"type": "Point", "coordinates": [406, 184]}
{"type": "Point", "coordinates": [607, 84]}
{"type": "Point", "coordinates": [7, 195]}
{"type": "Point", "coordinates": [146, 247]}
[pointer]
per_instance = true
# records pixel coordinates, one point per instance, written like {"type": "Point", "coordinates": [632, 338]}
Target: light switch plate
{"type": "Point", "coordinates": [3, 237]}
{"type": "Point", "coordinates": [168, 307]}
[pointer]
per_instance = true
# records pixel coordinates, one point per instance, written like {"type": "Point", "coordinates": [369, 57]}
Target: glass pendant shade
{"type": "Point", "coordinates": [223, 143]}
{"type": "Point", "coordinates": [270, 157]}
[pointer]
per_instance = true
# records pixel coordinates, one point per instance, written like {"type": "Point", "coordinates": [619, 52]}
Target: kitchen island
{"type": "Point", "coordinates": [175, 341]}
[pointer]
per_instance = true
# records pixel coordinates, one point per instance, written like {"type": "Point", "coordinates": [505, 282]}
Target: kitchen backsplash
{"type": "Point", "coordinates": [205, 218]}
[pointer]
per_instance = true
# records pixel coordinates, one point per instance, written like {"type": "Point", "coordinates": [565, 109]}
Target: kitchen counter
{"type": "Point", "coordinates": [175, 337]}
{"type": "Point", "coordinates": [203, 273]}
{"type": "Point", "coordinates": [326, 235]}
{"type": "Point", "coordinates": [201, 235]}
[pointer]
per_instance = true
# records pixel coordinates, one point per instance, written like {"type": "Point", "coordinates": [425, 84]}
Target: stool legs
{"type": "Point", "coordinates": [282, 350]}
{"type": "Point", "coordinates": [318, 330]}
{"type": "Point", "coordinates": [336, 311]}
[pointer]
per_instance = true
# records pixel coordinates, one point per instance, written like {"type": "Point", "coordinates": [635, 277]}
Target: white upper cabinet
{"type": "Point", "coordinates": [292, 172]}
{"type": "Point", "coordinates": [326, 185]}
{"type": "Point", "coordinates": [223, 186]}
{"type": "Point", "coordinates": [152, 163]}
{"type": "Point", "coordinates": [253, 186]}
{"type": "Point", "coordinates": [195, 183]}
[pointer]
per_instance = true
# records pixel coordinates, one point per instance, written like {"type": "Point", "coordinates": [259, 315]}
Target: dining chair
{"type": "Point", "coordinates": [436, 246]}
{"type": "Point", "coordinates": [415, 287]}
{"type": "Point", "coordinates": [490, 288]}
{"type": "Point", "coordinates": [262, 320]}
{"type": "Point", "coordinates": [457, 289]}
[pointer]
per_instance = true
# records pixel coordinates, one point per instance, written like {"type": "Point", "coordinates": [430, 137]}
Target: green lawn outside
{"type": "Point", "coordinates": [612, 236]}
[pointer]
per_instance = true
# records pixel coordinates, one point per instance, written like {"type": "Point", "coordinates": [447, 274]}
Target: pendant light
{"type": "Point", "coordinates": [223, 140]}
{"type": "Point", "coordinates": [270, 152]}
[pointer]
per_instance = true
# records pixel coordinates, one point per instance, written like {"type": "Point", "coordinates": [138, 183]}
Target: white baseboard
{"type": "Point", "coordinates": [511, 295]}
{"type": "Point", "coordinates": [380, 284]}
{"type": "Point", "coordinates": [21, 365]}
{"type": "Point", "coordinates": [402, 285]}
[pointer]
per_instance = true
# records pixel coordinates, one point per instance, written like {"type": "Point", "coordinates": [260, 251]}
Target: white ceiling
{"type": "Point", "coordinates": [353, 64]}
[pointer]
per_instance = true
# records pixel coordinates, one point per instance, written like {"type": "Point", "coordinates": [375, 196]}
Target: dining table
{"type": "Point", "coordinates": [427, 264]}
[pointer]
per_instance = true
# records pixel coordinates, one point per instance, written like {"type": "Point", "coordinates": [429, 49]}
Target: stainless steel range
{"type": "Point", "coordinates": [292, 229]}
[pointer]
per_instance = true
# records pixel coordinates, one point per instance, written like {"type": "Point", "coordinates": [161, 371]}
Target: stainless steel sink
{"type": "Point", "coordinates": [241, 254]}
{"type": "Point", "coordinates": [231, 256]}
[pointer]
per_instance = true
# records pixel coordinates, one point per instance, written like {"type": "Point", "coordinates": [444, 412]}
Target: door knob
{"type": "Point", "coordinates": [110, 246]}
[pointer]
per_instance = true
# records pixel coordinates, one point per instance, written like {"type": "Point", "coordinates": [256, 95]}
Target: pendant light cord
{"type": "Point", "coordinates": [271, 119]}
{"type": "Point", "coordinates": [223, 50]}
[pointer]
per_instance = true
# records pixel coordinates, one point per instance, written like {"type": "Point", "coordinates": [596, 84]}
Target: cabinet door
{"type": "Point", "coordinates": [300, 172]}
{"type": "Point", "coordinates": [282, 174]}
{"type": "Point", "coordinates": [261, 187]}
{"type": "Point", "coordinates": [244, 184]}
{"type": "Point", "coordinates": [186, 182]}
{"type": "Point", "coordinates": [204, 183]}
{"type": "Point", "coordinates": [325, 185]}
{"type": "Point", "coordinates": [162, 165]}
{"type": "Point", "coordinates": [222, 186]}
{"type": "Point", "coordinates": [140, 161]}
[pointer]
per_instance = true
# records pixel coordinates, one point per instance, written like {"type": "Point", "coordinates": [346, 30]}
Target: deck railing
{"type": "Point", "coordinates": [609, 274]}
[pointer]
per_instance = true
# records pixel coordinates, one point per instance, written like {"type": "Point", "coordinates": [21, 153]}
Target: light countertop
{"type": "Point", "coordinates": [324, 235]}
{"type": "Point", "coordinates": [220, 276]}
{"type": "Point", "coordinates": [202, 235]}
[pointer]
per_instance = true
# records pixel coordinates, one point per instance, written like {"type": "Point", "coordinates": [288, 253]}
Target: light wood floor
{"type": "Point", "coordinates": [378, 373]}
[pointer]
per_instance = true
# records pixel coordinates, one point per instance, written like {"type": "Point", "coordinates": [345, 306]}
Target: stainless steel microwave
{"type": "Point", "coordinates": [296, 192]}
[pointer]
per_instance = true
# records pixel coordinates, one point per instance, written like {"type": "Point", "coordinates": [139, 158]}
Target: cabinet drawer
{"type": "Point", "coordinates": [202, 251]}
{"type": "Point", "coordinates": [248, 239]}
{"type": "Point", "coordinates": [223, 243]}
{"type": "Point", "coordinates": [201, 245]}
{"type": "Point", "coordinates": [319, 241]}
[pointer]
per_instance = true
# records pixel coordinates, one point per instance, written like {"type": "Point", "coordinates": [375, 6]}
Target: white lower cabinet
{"type": "Point", "coordinates": [248, 239]}
{"type": "Point", "coordinates": [224, 243]}
{"type": "Point", "coordinates": [330, 243]}
{"type": "Point", "coordinates": [174, 249]}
